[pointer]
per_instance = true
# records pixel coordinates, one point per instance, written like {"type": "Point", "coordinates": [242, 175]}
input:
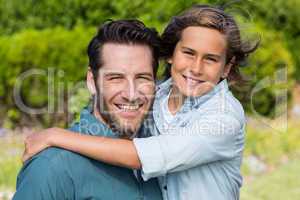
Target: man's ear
{"type": "Point", "coordinates": [170, 61]}
{"type": "Point", "coordinates": [90, 81]}
{"type": "Point", "coordinates": [228, 67]}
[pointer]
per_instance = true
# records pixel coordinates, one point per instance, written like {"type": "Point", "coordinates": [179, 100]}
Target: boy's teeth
{"type": "Point", "coordinates": [192, 81]}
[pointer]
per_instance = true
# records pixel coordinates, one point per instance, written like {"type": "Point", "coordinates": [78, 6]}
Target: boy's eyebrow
{"type": "Point", "coordinates": [209, 54]}
{"type": "Point", "coordinates": [187, 48]}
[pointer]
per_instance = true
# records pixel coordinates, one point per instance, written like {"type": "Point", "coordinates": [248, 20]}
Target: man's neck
{"type": "Point", "coordinates": [98, 115]}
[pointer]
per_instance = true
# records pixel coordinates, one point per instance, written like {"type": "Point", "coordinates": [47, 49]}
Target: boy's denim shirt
{"type": "Point", "coordinates": [198, 154]}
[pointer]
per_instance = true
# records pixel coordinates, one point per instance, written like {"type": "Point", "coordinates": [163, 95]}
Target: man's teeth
{"type": "Point", "coordinates": [129, 107]}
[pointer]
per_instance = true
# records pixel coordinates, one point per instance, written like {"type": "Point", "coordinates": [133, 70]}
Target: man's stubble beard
{"type": "Point", "coordinates": [112, 121]}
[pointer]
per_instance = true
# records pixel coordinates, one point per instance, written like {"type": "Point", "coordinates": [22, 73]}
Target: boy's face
{"type": "Point", "coordinates": [199, 60]}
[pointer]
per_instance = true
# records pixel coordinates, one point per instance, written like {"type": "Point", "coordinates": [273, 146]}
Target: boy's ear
{"type": "Point", "coordinates": [90, 81]}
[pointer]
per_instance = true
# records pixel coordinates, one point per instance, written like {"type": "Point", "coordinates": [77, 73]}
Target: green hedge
{"type": "Point", "coordinates": [282, 17]}
{"type": "Point", "coordinates": [272, 68]}
{"type": "Point", "coordinates": [51, 51]}
{"type": "Point", "coordinates": [17, 15]}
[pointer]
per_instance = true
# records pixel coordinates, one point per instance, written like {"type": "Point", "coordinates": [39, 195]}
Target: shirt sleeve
{"type": "Point", "coordinates": [40, 179]}
{"type": "Point", "coordinates": [209, 139]}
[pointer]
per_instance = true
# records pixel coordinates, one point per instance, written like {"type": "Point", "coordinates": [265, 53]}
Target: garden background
{"type": "Point", "coordinates": [43, 63]}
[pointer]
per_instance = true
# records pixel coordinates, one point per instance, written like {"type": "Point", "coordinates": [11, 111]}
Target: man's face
{"type": "Point", "coordinates": [125, 86]}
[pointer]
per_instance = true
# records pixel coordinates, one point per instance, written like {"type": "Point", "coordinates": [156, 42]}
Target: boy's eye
{"type": "Point", "coordinates": [211, 59]}
{"type": "Point", "coordinates": [188, 53]}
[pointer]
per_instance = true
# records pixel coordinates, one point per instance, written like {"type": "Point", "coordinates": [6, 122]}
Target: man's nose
{"type": "Point", "coordinates": [130, 91]}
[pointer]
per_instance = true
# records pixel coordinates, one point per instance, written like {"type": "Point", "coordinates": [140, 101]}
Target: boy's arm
{"type": "Point", "coordinates": [120, 152]}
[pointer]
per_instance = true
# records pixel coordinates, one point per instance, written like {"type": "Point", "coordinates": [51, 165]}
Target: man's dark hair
{"type": "Point", "coordinates": [123, 32]}
{"type": "Point", "coordinates": [214, 18]}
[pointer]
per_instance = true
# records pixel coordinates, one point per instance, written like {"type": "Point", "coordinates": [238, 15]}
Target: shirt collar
{"type": "Point", "coordinates": [220, 88]}
{"type": "Point", "coordinates": [191, 102]}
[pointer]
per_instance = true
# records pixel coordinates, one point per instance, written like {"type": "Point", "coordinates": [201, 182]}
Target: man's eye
{"type": "Point", "coordinates": [145, 78]}
{"type": "Point", "coordinates": [114, 78]}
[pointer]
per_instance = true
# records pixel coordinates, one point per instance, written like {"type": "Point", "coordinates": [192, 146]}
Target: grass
{"type": "Point", "coordinates": [10, 161]}
{"type": "Point", "coordinates": [282, 184]}
{"type": "Point", "coordinates": [272, 146]}
{"type": "Point", "coordinates": [279, 151]}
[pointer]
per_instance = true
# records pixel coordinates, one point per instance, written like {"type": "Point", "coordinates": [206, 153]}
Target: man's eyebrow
{"type": "Point", "coordinates": [113, 74]}
{"type": "Point", "coordinates": [145, 74]}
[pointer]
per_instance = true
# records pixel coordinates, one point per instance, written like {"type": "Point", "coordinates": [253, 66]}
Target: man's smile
{"type": "Point", "coordinates": [129, 107]}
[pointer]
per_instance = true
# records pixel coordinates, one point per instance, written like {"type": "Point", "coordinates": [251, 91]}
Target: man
{"type": "Point", "coordinates": [123, 59]}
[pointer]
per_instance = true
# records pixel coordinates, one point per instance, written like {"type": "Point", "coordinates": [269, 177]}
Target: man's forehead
{"type": "Point", "coordinates": [112, 70]}
{"type": "Point", "coordinates": [124, 70]}
{"type": "Point", "coordinates": [124, 58]}
{"type": "Point", "coordinates": [111, 51]}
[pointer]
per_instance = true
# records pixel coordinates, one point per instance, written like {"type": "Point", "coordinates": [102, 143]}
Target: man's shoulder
{"type": "Point", "coordinates": [44, 176]}
{"type": "Point", "coordinates": [52, 158]}
{"type": "Point", "coordinates": [61, 161]}
{"type": "Point", "coordinates": [61, 158]}
{"type": "Point", "coordinates": [57, 157]}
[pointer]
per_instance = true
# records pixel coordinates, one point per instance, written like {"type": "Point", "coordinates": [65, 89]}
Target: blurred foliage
{"type": "Point", "coordinates": [17, 15]}
{"type": "Point", "coordinates": [270, 70]}
{"type": "Point", "coordinates": [45, 64]}
{"type": "Point", "coordinates": [280, 16]}
{"type": "Point", "coordinates": [49, 38]}
{"type": "Point", "coordinates": [273, 146]}
{"type": "Point", "coordinates": [78, 100]}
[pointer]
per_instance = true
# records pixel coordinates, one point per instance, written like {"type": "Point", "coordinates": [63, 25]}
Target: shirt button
{"type": "Point", "coordinates": [183, 124]}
